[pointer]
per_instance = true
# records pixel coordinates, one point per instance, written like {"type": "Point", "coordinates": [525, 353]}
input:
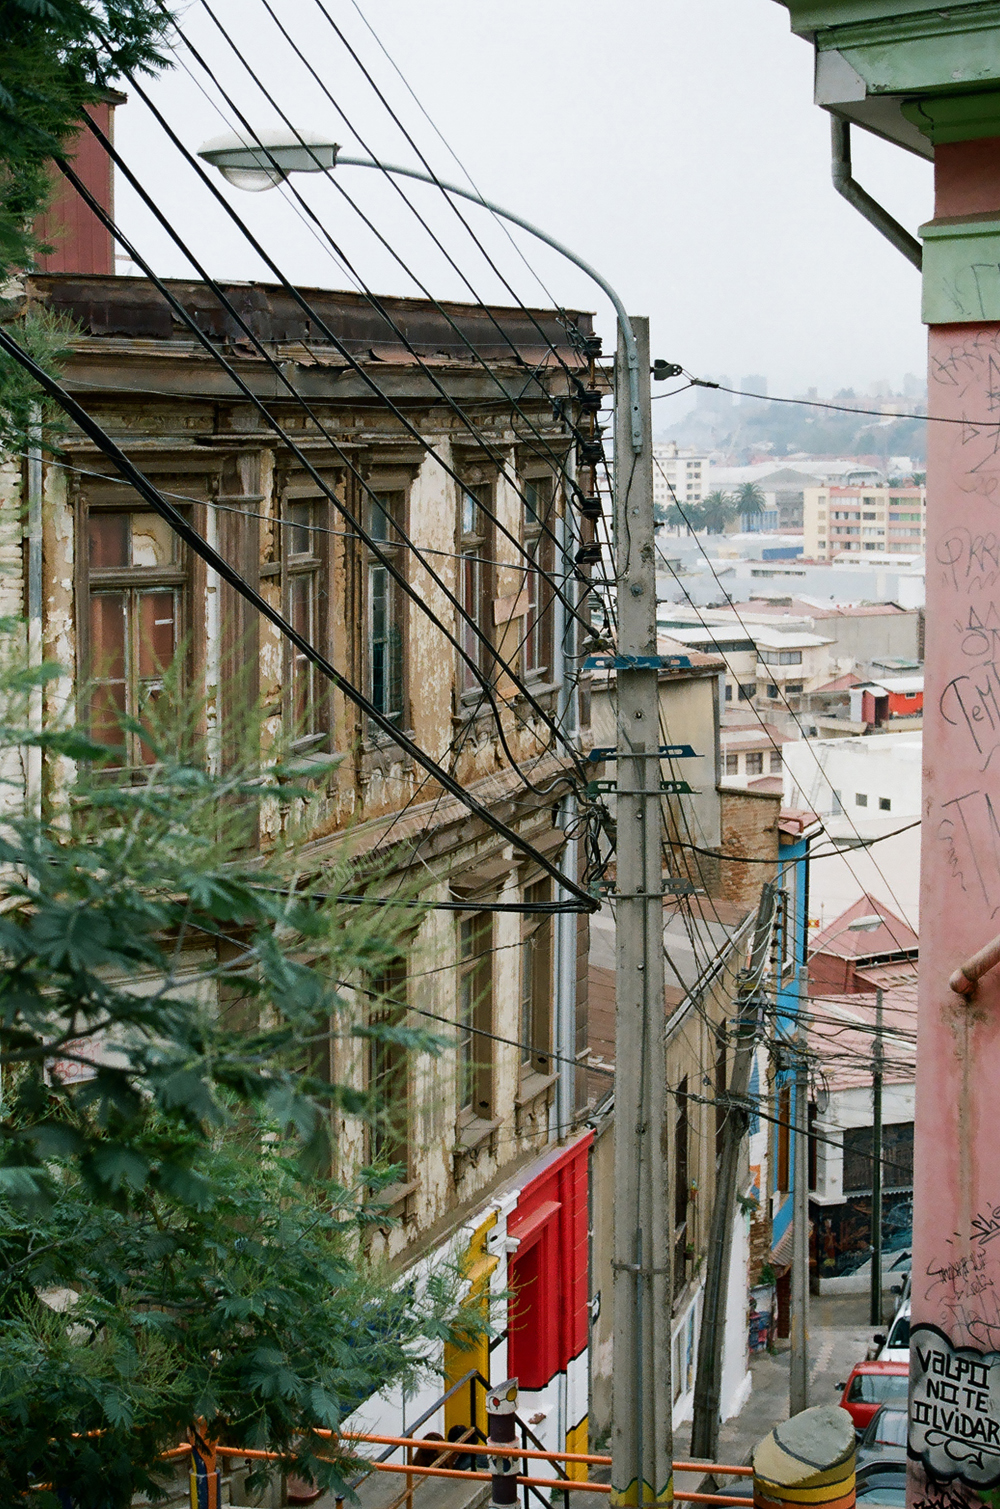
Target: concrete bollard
{"type": "Point", "coordinates": [807, 1461]}
{"type": "Point", "coordinates": [501, 1407]}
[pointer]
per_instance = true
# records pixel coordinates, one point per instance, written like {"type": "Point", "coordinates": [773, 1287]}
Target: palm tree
{"type": "Point", "coordinates": [717, 510]}
{"type": "Point", "coordinates": [750, 500]}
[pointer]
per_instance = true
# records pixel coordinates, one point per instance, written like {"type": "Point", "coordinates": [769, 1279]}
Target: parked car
{"type": "Point", "coordinates": [884, 1439]}
{"type": "Point", "coordinates": [870, 1385]}
{"type": "Point", "coordinates": [896, 1346]}
{"type": "Point", "coordinates": [881, 1483]}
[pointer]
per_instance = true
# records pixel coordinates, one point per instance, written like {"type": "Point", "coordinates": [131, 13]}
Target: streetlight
{"type": "Point", "coordinates": [247, 164]}
{"type": "Point", "coordinates": [264, 162]}
{"type": "Point", "coordinates": [642, 1439]}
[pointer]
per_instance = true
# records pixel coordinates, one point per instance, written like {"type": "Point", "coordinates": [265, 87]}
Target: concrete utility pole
{"type": "Point", "coordinates": [798, 1362]}
{"type": "Point", "coordinates": [642, 1436]}
{"type": "Point", "coordinates": [875, 1310]}
{"type": "Point", "coordinates": [708, 1382]}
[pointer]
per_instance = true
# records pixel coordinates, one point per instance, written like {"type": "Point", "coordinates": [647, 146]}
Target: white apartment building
{"type": "Point", "coordinates": [867, 793]}
{"type": "Point", "coordinates": [839, 521]}
{"type": "Point", "coordinates": [685, 471]}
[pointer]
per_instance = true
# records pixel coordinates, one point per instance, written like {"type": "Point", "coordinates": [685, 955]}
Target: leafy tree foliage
{"type": "Point", "coordinates": [166, 993]}
{"type": "Point", "coordinates": [57, 57]}
{"type": "Point", "coordinates": [252, 1312]}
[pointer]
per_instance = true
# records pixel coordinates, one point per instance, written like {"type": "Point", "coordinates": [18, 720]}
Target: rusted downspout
{"type": "Point", "coordinates": [963, 981]}
{"type": "Point", "coordinates": [840, 169]}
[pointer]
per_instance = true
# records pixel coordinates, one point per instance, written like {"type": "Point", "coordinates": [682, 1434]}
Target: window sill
{"type": "Point", "coordinates": [532, 1087]}
{"type": "Point", "coordinates": [376, 742]}
{"type": "Point", "coordinates": [538, 688]}
{"type": "Point", "coordinates": [394, 1201]}
{"type": "Point", "coordinates": [476, 1136]}
{"type": "Point", "coordinates": [531, 1105]}
{"type": "Point", "coordinates": [310, 764]}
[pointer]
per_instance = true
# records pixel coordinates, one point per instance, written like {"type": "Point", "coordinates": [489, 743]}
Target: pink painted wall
{"type": "Point", "coordinates": [956, 1252]}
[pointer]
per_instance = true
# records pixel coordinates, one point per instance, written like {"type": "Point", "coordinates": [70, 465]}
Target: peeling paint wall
{"type": "Point", "coordinates": [238, 486]}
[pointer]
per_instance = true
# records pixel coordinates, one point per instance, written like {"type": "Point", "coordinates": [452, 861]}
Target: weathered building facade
{"type": "Point", "coordinates": [411, 524]}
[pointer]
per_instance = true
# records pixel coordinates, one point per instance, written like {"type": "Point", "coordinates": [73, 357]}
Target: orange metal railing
{"type": "Point", "coordinates": [464, 1448]}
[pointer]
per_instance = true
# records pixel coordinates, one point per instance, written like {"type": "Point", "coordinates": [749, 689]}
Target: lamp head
{"type": "Point", "coordinates": [262, 162]}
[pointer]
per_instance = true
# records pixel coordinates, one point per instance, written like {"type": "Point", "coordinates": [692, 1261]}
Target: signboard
{"type": "Point", "coordinates": [954, 1409]}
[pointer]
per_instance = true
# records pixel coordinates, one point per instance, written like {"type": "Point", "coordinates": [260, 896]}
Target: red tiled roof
{"type": "Point", "coordinates": [843, 941]}
{"type": "Point", "coordinates": [841, 683]}
{"type": "Point", "coordinates": [772, 784]}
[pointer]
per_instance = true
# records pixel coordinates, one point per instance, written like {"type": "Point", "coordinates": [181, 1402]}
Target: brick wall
{"type": "Point", "coordinates": [750, 830]}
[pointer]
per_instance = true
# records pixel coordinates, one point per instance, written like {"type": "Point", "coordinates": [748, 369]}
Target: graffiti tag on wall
{"type": "Point", "coordinates": [954, 1409]}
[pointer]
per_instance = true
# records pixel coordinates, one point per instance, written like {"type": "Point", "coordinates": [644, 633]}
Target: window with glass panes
{"type": "Point", "coordinates": [539, 546]}
{"type": "Point", "coordinates": [535, 1033]}
{"type": "Point", "coordinates": [475, 585]}
{"type": "Point", "coordinates": [388, 1077]}
{"type": "Point", "coordinates": [135, 579]}
{"type": "Point", "coordinates": [475, 1015]}
{"type": "Point", "coordinates": [301, 565]}
{"type": "Point", "coordinates": [384, 606]}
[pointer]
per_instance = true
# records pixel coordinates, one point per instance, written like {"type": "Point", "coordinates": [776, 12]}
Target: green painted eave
{"type": "Point", "coordinates": [907, 69]}
{"type": "Point", "coordinates": [810, 16]}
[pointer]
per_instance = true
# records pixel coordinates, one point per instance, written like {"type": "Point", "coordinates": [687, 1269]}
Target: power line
{"type": "Point", "coordinates": [335, 180]}
{"type": "Point", "coordinates": [274, 424]}
{"type": "Point", "coordinates": [212, 558]}
{"type": "Point", "coordinates": [451, 151]}
{"type": "Point", "coordinates": [368, 293]}
{"type": "Point", "coordinates": [756, 711]}
{"type": "Point", "coordinates": [456, 209]}
{"type": "Point", "coordinates": [742, 859]}
{"type": "Point", "coordinates": [299, 298]}
{"type": "Point", "coordinates": [815, 403]}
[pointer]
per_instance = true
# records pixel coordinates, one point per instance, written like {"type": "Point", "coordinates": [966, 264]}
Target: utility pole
{"type": "Point", "coordinates": [875, 1312]}
{"type": "Point", "coordinates": [708, 1382]}
{"type": "Point", "coordinates": [798, 1362]}
{"type": "Point", "coordinates": [642, 1435]}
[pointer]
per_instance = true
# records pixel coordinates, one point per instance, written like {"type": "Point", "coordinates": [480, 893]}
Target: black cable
{"type": "Point", "coordinates": [201, 547]}
{"type": "Point", "coordinates": [453, 154]}
{"type": "Point", "coordinates": [756, 711]}
{"type": "Point", "coordinates": [740, 859]}
{"type": "Point", "coordinates": [368, 293]}
{"type": "Point", "coordinates": [510, 1042]}
{"type": "Point", "coordinates": [331, 175]}
{"type": "Point", "coordinates": [274, 424]}
{"type": "Point", "coordinates": [456, 209]}
{"type": "Point", "coordinates": [308, 309]}
{"type": "Point", "coordinates": [526, 908]}
{"type": "Point", "coordinates": [839, 408]}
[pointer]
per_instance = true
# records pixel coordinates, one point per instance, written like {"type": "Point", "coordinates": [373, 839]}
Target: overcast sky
{"type": "Point", "coordinates": [671, 143]}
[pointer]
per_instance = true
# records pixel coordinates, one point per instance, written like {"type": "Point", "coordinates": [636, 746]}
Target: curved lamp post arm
{"type": "Point", "coordinates": [632, 355]}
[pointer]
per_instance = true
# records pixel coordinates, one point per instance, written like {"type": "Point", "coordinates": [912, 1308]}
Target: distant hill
{"type": "Point", "coordinates": [744, 430]}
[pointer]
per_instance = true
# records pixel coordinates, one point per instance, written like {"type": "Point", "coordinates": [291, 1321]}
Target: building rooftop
{"type": "Point", "coordinates": [789, 639]}
{"type": "Point", "coordinates": [868, 929]}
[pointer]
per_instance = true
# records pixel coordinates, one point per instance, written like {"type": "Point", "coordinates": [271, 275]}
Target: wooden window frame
{"type": "Point", "coordinates": [536, 985]}
{"type": "Point", "coordinates": [475, 1088]}
{"type": "Point", "coordinates": [387, 1072]}
{"type": "Point", "coordinates": [476, 579]}
{"type": "Point", "coordinates": [91, 582]}
{"type": "Point", "coordinates": [296, 566]}
{"type": "Point", "coordinates": [538, 642]}
{"type": "Point", "coordinates": [390, 546]}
